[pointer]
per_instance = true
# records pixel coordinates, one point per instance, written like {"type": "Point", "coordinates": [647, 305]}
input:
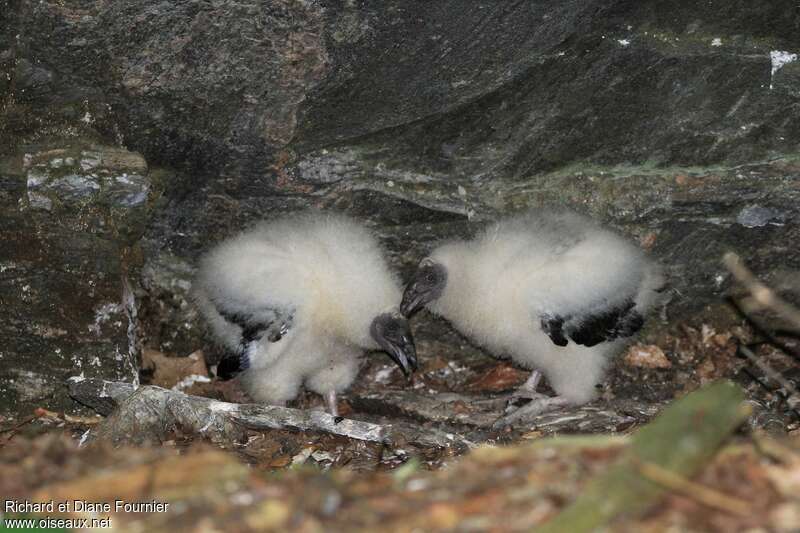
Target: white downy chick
{"type": "Point", "coordinates": [552, 290]}
{"type": "Point", "coordinates": [298, 300]}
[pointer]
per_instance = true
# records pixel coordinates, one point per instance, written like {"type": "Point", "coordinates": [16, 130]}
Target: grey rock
{"type": "Point", "coordinates": [668, 121]}
{"type": "Point", "coordinates": [69, 188]}
{"type": "Point", "coordinates": [90, 160]}
{"type": "Point", "coordinates": [74, 186]}
{"type": "Point", "coordinates": [326, 167]}
{"type": "Point", "coordinates": [128, 190]}
{"type": "Point", "coordinates": [168, 317]}
{"type": "Point", "coordinates": [30, 386]}
{"type": "Point", "coordinates": [756, 216]}
{"type": "Point", "coordinates": [68, 235]}
{"type": "Point", "coordinates": [98, 173]}
{"type": "Point", "coordinates": [480, 89]}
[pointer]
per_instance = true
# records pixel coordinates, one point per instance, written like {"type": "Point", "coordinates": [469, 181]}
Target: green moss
{"type": "Point", "coordinates": [651, 168]}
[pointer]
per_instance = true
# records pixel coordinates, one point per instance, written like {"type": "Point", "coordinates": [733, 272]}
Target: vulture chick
{"type": "Point", "coordinates": [552, 290]}
{"type": "Point", "coordinates": [297, 301]}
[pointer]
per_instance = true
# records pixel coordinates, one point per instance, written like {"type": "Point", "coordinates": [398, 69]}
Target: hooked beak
{"type": "Point", "coordinates": [392, 333]}
{"type": "Point", "coordinates": [413, 299]}
{"type": "Point", "coordinates": [403, 353]}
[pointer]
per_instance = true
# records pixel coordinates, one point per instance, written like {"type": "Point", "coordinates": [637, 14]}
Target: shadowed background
{"type": "Point", "coordinates": [135, 133]}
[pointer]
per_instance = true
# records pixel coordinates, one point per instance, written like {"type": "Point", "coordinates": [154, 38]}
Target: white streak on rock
{"type": "Point", "coordinates": [83, 438]}
{"type": "Point", "coordinates": [303, 456]}
{"type": "Point", "coordinates": [223, 407]}
{"type": "Point", "coordinates": [103, 314]}
{"type": "Point", "coordinates": [384, 375]}
{"type": "Point", "coordinates": [779, 58]}
{"type": "Point", "coordinates": [129, 303]}
{"type": "Point", "coordinates": [188, 381]}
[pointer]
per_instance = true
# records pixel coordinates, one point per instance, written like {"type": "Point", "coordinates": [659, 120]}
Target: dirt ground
{"type": "Point", "coordinates": [311, 481]}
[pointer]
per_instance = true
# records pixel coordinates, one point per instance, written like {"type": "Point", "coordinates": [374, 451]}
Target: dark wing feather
{"type": "Point", "coordinates": [273, 323]}
{"type": "Point", "coordinates": [553, 326]}
{"type": "Point", "coordinates": [230, 365]}
{"type": "Point", "coordinates": [592, 328]}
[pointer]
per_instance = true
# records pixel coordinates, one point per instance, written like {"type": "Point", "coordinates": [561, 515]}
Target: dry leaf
{"type": "Point", "coordinates": [171, 371]}
{"type": "Point", "coordinates": [647, 241]}
{"type": "Point", "coordinates": [647, 356]}
{"type": "Point", "coordinates": [785, 517]}
{"type": "Point", "coordinates": [707, 370]}
{"type": "Point", "coordinates": [501, 377]}
{"type": "Point", "coordinates": [785, 479]}
{"type": "Point", "coordinates": [707, 332]}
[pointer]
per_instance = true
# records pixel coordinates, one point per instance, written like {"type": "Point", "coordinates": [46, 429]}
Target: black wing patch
{"type": "Point", "coordinates": [230, 366]}
{"type": "Point", "coordinates": [274, 328]}
{"type": "Point", "coordinates": [553, 326]}
{"type": "Point", "coordinates": [593, 328]}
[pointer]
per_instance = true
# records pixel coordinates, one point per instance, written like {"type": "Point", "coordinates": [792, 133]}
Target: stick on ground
{"type": "Point", "coordinates": [149, 414]}
{"type": "Point", "coordinates": [762, 294]}
{"type": "Point", "coordinates": [680, 441]}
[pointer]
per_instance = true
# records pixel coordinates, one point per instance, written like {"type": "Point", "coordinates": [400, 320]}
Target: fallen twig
{"type": "Point", "coordinates": [681, 440]}
{"type": "Point", "coordinates": [791, 391]}
{"type": "Point", "coordinates": [41, 412]}
{"type": "Point", "coordinates": [18, 425]}
{"type": "Point", "coordinates": [773, 417]}
{"type": "Point", "coordinates": [765, 298]}
{"type": "Point", "coordinates": [774, 449]}
{"type": "Point", "coordinates": [149, 413]}
{"type": "Point", "coordinates": [761, 329]}
{"type": "Point", "coordinates": [762, 295]}
{"type": "Point", "coordinates": [472, 411]}
{"type": "Point", "coordinates": [13, 430]}
{"type": "Point", "coordinates": [700, 493]}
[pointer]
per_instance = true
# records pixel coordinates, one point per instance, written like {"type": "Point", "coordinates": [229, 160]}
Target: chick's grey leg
{"type": "Point", "coordinates": [532, 383]}
{"type": "Point", "coordinates": [516, 410]}
{"type": "Point", "coordinates": [332, 403]}
{"type": "Point", "coordinates": [526, 391]}
{"type": "Point", "coordinates": [538, 406]}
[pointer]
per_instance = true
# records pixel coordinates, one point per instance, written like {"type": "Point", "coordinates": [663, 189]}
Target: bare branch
{"type": "Point", "coordinates": [149, 413]}
{"type": "Point", "coordinates": [773, 374]}
{"type": "Point", "coordinates": [681, 441]}
{"type": "Point", "coordinates": [696, 491]}
{"type": "Point", "coordinates": [761, 294]}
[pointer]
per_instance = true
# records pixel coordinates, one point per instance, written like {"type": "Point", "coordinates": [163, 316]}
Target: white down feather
{"type": "Point", "coordinates": [326, 268]}
{"type": "Point", "coordinates": [501, 282]}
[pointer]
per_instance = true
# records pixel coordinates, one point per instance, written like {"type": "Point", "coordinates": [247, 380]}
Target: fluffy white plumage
{"type": "Point", "coordinates": [527, 284]}
{"type": "Point", "coordinates": [298, 299]}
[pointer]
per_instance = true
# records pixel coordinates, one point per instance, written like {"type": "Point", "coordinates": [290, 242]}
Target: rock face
{"type": "Point", "coordinates": [70, 218]}
{"type": "Point", "coordinates": [674, 122]}
{"type": "Point", "coordinates": [476, 90]}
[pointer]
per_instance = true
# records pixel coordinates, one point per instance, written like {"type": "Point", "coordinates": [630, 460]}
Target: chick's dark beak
{"type": "Point", "coordinates": [413, 299]}
{"type": "Point", "coordinates": [393, 334]}
{"type": "Point", "coordinates": [403, 353]}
